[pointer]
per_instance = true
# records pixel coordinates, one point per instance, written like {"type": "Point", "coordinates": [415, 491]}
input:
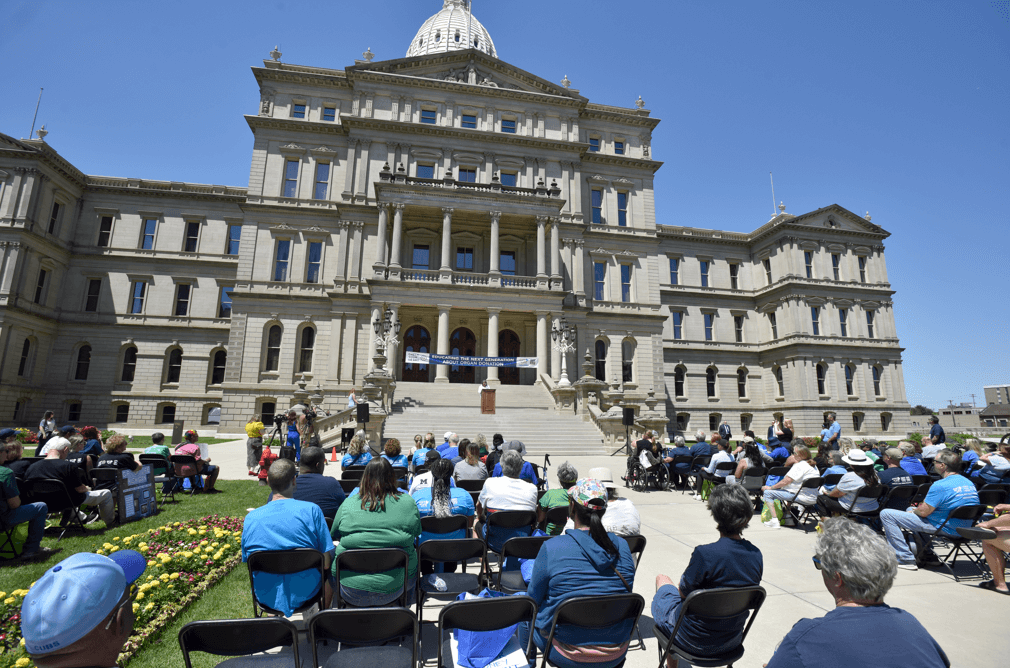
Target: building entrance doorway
{"type": "Point", "coordinates": [462, 342]}
{"type": "Point", "coordinates": [508, 346]}
{"type": "Point", "coordinates": [416, 340]}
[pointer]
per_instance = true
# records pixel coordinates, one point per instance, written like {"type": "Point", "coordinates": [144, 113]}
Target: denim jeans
{"type": "Point", "coordinates": [896, 520]}
{"type": "Point", "coordinates": [359, 598]}
{"type": "Point", "coordinates": [35, 515]}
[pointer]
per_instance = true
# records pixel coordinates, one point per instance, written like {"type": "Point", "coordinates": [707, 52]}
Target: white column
{"type": "Point", "coordinates": [376, 315]}
{"type": "Point", "coordinates": [442, 370]}
{"type": "Point", "coordinates": [555, 255]}
{"type": "Point", "coordinates": [495, 266]}
{"type": "Point", "coordinates": [393, 352]}
{"type": "Point", "coordinates": [492, 343]}
{"type": "Point", "coordinates": [394, 250]}
{"type": "Point", "coordinates": [555, 353]}
{"type": "Point", "coordinates": [446, 268]}
{"type": "Point", "coordinates": [380, 249]}
{"type": "Point", "coordinates": [541, 252]}
{"type": "Point", "coordinates": [541, 343]}
{"type": "Point", "coordinates": [579, 271]}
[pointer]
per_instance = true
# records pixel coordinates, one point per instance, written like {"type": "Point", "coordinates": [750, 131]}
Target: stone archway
{"type": "Point", "coordinates": [508, 346]}
{"type": "Point", "coordinates": [417, 340]}
{"type": "Point", "coordinates": [462, 342]}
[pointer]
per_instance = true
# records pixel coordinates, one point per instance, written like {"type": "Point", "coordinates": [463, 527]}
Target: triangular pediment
{"type": "Point", "coordinates": [835, 217]}
{"type": "Point", "coordinates": [8, 142]}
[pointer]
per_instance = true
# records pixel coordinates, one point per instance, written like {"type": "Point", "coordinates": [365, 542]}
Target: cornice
{"type": "Point", "coordinates": [35, 149]}
{"type": "Point", "coordinates": [295, 125]}
{"type": "Point", "coordinates": [637, 117]}
{"type": "Point", "coordinates": [479, 200]}
{"type": "Point", "coordinates": [594, 158]}
{"type": "Point", "coordinates": [146, 188]}
{"type": "Point", "coordinates": [297, 74]}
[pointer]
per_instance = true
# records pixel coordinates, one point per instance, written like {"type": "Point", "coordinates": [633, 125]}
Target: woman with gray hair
{"type": "Point", "coordinates": [857, 568]}
{"type": "Point", "coordinates": [507, 492]}
{"type": "Point", "coordinates": [557, 497]}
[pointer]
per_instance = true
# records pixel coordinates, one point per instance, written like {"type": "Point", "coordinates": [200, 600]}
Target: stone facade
{"type": "Point", "coordinates": [480, 204]}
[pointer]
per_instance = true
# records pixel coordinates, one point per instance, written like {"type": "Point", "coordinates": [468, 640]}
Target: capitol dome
{"type": "Point", "coordinates": [454, 28]}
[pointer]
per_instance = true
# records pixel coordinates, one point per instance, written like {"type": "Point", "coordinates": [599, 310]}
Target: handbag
{"type": "Point", "coordinates": [706, 489]}
{"type": "Point", "coordinates": [479, 648]}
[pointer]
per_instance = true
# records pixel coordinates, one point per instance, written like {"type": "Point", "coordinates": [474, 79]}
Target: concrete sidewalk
{"type": "Point", "coordinates": [967, 622]}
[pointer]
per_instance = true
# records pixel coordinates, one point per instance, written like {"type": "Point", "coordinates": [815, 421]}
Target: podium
{"type": "Point", "coordinates": [487, 402]}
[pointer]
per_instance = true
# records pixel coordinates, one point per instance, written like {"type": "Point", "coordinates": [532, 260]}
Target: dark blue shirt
{"type": "Point", "coordinates": [93, 447]}
{"type": "Point", "coordinates": [937, 430]}
{"type": "Point", "coordinates": [680, 452]}
{"type": "Point", "coordinates": [780, 453]}
{"type": "Point", "coordinates": [895, 477]}
{"type": "Point", "coordinates": [321, 490]}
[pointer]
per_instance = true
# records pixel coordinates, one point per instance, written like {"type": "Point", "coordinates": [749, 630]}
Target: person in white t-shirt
{"type": "Point", "coordinates": [785, 489]}
{"type": "Point", "coordinates": [506, 492]}
{"type": "Point", "coordinates": [719, 457]}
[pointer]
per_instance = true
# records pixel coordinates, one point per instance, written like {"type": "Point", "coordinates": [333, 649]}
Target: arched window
{"type": "Point", "coordinates": [627, 360]}
{"type": "Point", "coordinates": [683, 419]}
{"type": "Point", "coordinates": [850, 374]}
{"type": "Point", "coordinates": [273, 356]}
{"type": "Point", "coordinates": [217, 367]}
{"type": "Point", "coordinates": [780, 386]}
{"type": "Point", "coordinates": [741, 383]}
{"type": "Point", "coordinates": [601, 360]}
{"type": "Point", "coordinates": [679, 375]}
{"type": "Point", "coordinates": [821, 372]}
{"type": "Point", "coordinates": [26, 353]}
{"type": "Point", "coordinates": [174, 370]}
{"type": "Point", "coordinates": [876, 381]}
{"type": "Point", "coordinates": [129, 365]}
{"type": "Point", "coordinates": [710, 376]}
{"type": "Point", "coordinates": [166, 413]}
{"type": "Point", "coordinates": [83, 363]}
{"type": "Point", "coordinates": [308, 342]}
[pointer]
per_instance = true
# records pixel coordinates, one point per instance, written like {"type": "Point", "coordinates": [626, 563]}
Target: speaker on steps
{"type": "Point", "coordinates": [362, 412]}
{"type": "Point", "coordinates": [346, 434]}
{"type": "Point", "coordinates": [629, 417]}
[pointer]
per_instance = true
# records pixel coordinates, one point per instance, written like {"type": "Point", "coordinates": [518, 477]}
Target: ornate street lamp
{"type": "Point", "coordinates": [386, 330]}
{"type": "Point", "coordinates": [563, 338]}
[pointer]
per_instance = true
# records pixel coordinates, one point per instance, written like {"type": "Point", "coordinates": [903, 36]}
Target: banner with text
{"type": "Point", "coordinates": [459, 360]}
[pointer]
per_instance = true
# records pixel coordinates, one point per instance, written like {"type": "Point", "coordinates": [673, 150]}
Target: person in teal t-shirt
{"type": "Point", "coordinates": [557, 498]}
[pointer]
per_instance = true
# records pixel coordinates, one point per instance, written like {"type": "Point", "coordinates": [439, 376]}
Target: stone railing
{"type": "Point", "coordinates": [422, 275]}
{"type": "Point", "coordinates": [466, 278]}
{"type": "Point", "coordinates": [518, 282]}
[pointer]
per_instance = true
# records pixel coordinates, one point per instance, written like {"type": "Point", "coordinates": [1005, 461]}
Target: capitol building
{"type": "Point", "coordinates": [482, 206]}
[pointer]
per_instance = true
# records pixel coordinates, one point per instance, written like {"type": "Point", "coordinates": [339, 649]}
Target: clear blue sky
{"type": "Point", "coordinates": [899, 108]}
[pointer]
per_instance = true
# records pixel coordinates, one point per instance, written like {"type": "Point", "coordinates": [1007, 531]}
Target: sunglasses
{"type": "Point", "coordinates": [132, 594]}
{"type": "Point", "coordinates": [817, 562]}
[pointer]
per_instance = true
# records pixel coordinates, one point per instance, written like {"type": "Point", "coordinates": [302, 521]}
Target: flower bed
{"type": "Point", "coordinates": [185, 559]}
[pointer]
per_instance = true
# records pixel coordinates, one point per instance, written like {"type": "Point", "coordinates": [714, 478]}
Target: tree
{"type": "Point", "coordinates": [919, 409]}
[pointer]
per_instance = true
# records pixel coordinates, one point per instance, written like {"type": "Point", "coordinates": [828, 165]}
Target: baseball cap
{"type": "Point", "coordinates": [431, 456]}
{"type": "Point", "coordinates": [74, 596]}
{"type": "Point", "coordinates": [68, 429]}
{"type": "Point", "coordinates": [7, 433]}
{"type": "Point", "coordinates": [447, 435]}
{"type": "Point", "coordinates": [589, 493]}
{"type": "Point", "coordinates": [604, 475]}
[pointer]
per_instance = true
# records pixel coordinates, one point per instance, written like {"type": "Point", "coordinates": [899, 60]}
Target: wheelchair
{"type": "Point", "coordinates": [640, 478]}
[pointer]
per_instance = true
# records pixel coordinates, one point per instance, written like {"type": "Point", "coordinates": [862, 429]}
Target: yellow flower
{"type": "Point", "coordinates": [115, 549]}
{"type": "Point", "coordinates": [196, 550]}
{"type": "Point", "coordinates": [148, 607]}
{"type": "Point", "coordinates": [213, 544]}
{"type": "Point", "coordinates": [22, 662]}
{"type": "Point", "coordinates": [136, 606]}
{"type": "Point", "coordinates": [116, 539]}
{"type": "Point", "coordinates": [173, 576]}
{"type": "Point", "coordinates": [152, 563]}
{"type": "Point", "coordinates": [171, 586]}
{"type": "Point", "coordinates": [178, 524]}
{"type": "Point", "coordinates": [187, 554]}
{"type": "Point", "coordinates": [140, 596]}
{"type": "Point", "coordinates": [9, 601]}
{"type": "Point", "coordinates": [22, 643]}
{"type": "Point", "coordinates": [3, 594]}
{"type": "Point", "coordinates": [164, 576]}
{"type": "Point", "coordinates": [203, 542]}
{"type": "Point", "coordinates": [107, 546]}
{"type": "Point", "coordinates": [192, 532]}
{"type": "Point", "coordinates": [144, 549]}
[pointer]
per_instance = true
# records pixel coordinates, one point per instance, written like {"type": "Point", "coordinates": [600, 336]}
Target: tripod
{"type": "Point", "coordinates": [627, 443]}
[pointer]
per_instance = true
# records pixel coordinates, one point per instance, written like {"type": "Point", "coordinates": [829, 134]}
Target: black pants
{"type": "Point", "coordinates": [828, 506]}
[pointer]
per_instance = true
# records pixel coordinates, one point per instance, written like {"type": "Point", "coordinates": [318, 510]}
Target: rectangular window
{"type": "Point", "coordinates": [599, 279]}
{"type": "Point", "coordinates": [94, 290]}
{"type": "Point", "coordinates": [774, 325]}
{"type": "Point", "coordinates": [597, 203]}
{"type": "Point", "coordinates": [862, 269]}
{"type": "Point", "coordinates": [74, 412]}
{"type": "Point", "coordinates": [421, 258]}
{"type": "Point", "coordinates": [138, 292]}
{"type": "Point", "coordinates": [467, 175]}
{"type": "Point", "coordinates": [122, 412]}
{"type": "Point", "coordinates": [808, 260]}
{"type": "Point", "coordinates": [836, 261]}
{"type": "Point", "coordinates": [510, 179]}
{"type": "Point", "coordinates": [674, 271]}
{"type": "Point", "coordinates": [329, 114]}
{"type": "Point", "coordinates": [182, 295]}
{"type": "Point", "coordinates": [768, 270]}
{"type": "Point", "coordinates": [464, 259]}
{"type": "Point", "coordinates": [428, 116]}
{"type": "Point", "coordinates": [709, 326]}
{"type": "Point", "coordinates": [234, 236]}
{"type": "Point", "coordinates": [869, 324]}
{"type": "Point", "coordinates": [147, 234]}
{"type": "Point", "coordinates": [622, 209]}
{"type": "Point", "coordinates": [40, 286]}
{"type": "Point", "coordinates": [738, 327]}
{"type": "Point", "coordinates": [508, 125]}
{"type": "Point", "coordinates": [224, 307]}
{"type": "Point", "coordinates": [192, 237]}
{"type": "Point", "coordinates": [105, 231]}
{"type": "Point", "coordinates": [281, 255]}
{"type": "Point", "coordinates": [734, 276]}
{"type": "Point", "coordinates": [815, 318]}
{"type": "Point", "coordinates": [26, 353]}
{"type": "Point", "coordinates": [167, 414]}
{"type": "Point", "coordinates": [625, 282]}
{"type": "Point", "coordinates": [291, 178]}
{"type": "Point", "coordinates": [704, 274]}
{"type": "Point", "coordinates": [843, 321]}
{"type": "Point", "coordinates": [298, 110]}
{"type": "Point", "coordinates": [618, 148]}
{"type": "Point", "coordinates": [322, 180]}
{"type": "Point", "coordinates": [678, 326]}
{"type": "Point", "coordinates": [54, 217]}
{"type": "Point", "coordinates": [314, 262]}
{"type": "Point", "coordinates": [594, 144]}
{"type": "Point", "coordinates": [507, 263]}
{"type": "Point", "coordinates": [426, 171]}
{"type": "Point", "coordinates": [468, 121]}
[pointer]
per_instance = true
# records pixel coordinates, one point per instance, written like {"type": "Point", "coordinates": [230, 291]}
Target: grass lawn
{"type": "Point", "coordinates": [143, 442]}
{"type": "Point", "coordinates": [228, 599]}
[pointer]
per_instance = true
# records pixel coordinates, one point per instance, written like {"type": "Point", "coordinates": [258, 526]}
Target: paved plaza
{"type": "Point", "coordinates": [967, 622]}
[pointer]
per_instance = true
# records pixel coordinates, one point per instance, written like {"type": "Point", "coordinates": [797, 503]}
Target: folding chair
{"type": "Point", "coordinates": [105, 478]}
{"type": "Point", "coordinates": [721, 603]}
{"type": "Point", "coordinates": [806, 510]}
{"type": "Point", "coordinates": [728, 467]}
{"type": "Point", "coordinates": [878, 494]}
{"type": "Point", "coordinates": [921, 480]}
{"type": "Point", "coordinates": [352, 473]}
{"type": "Point", "coordinates": [832, 479]}
{"type": "Point", "coordinates": [506, 519]}
{"type": "Point", "coordinates": [636, 544]}
{"type": "Point", "coordinates": [958, 544]}
{"type": "Point", "coordinates": [444, 527]}
{"type": "Point", "coordinates": [594, 612]}
{"type": "Point", "coordinates": [164, 474]}
{"type": "Point", "coordinates": [57, 498]}
{"type": "Point", "coordinates": [470, 485]}
{"type": "Point", "coordinates": [485, 614]}
{"type": "Point", "coordinates": [526, 547]}
{"type": "Point", "coordinates": [992, 495]}
{"type": "Point", "coordinates": [195, 480]}
{"type": "Point", "coordinates": [8, 541]}
{"type": "Point", "coordinates": [239, 637]}
{"type": "Point", "coordinates": [754, 479]}
{"type": "Point", "coordinates": [556, 516]}
{"type": "Point", "coordinates": [900, 497]}
{"type": "Point", "coordinates": [448, 549]}
{"type": "Point", "coordinates": [349, 485]}
{"type": "Point", "coordinates": [287, 562]}
{"type": "Point", "coordinates": [371, 561]}
{"type": "Point", "coordinates": [680, 459]}
{"type": "Point", "coordinates": [366, 626]}
{"type": "Point", "coordinates": [697, 464]}
{"type": "Point", "coordinates": [920, 494]}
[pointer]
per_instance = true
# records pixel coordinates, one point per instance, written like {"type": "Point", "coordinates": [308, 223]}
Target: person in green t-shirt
{"type": "Point", "coordinates": [159, 448]}
{"type": "Point", "coordinates": [556, 498]}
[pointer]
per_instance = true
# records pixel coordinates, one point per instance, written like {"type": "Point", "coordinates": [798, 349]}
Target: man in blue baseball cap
{"type": "Point", "coordinates": [80, 612]}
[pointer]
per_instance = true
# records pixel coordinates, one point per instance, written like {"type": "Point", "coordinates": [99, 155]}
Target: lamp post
{"type": "Point", "coordinates": [386, 330]}
{"type": "Point", "coordinates": [563, 340]}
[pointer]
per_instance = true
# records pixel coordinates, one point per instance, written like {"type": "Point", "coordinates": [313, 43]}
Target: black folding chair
{"type": "Point", "coordinates": [806, 511]}
{"type": "Point", "coordinates": [105, 478]}
{"type": "Point", "coordinates": [349, 485]}
{"type": "Point", "coordinates": [287, 562]}
{"type": "Point", "coordinates": [558, 517]}
{"type": "Point", "coordinates": [164, 474]}
{"type": "Point", "coordinates": [442, 550]}
{"type": "Point", "coordinates": [729, 468]}
{"type": "Point", "coordinates": [181, 461]}
{"type": "Point", "coordinates": [878, 494]}
{"type": "Point", "coordinates": [921, 480]}
{"type": "Point", "coordinates": [680, 459]}
{"type": "Point", "coordinates": [712, 604]}
{"type": "Point", "coordinates": [594, 612]}
{"type": "Point", "coordinates": [992, 495]}
{"type": "Point", "coordinates": [400, 472]}
{"type": "Point", "coordinates": [352, 473]}
{"type": "Point", "coordinates": [900, 497]}
{"type": "Point", "coordinates": [525, 547]}
{"type": "Point", "coordinates": [920, 494]}
{"type": "Point", "coordinates": [832, 478]}
{"type": "Point", "coordinates": [8, 544]}
{"type": "Point", "coordinates": [753, 480]}
{"type": "Point", "coordinates": [636, 544]}
{"type": "Point", "coordinates": [376, 627]}
{"type": "Point", "coordinates": [481, 615]}
{"type": "Point", "coordinates": [470, 485]}
{"type": "Point", "coordinates": [239, 637]}
{"type": "Point", "coordinates": [506, 519]}
{"type": "Point", "coordinates": [959, 544]}
{"type": "Point", "coordinates": [697, 465]}
{"type": "Point", "coordinates": [57, 498]}
{"type": "Point", "coordinates": [371, 561]}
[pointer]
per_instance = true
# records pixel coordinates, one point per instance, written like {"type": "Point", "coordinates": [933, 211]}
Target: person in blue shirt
{"type": "Point", "coordinates": [836, 467]}
{"type": "Point", "coordinates": [294, 437]}
{"type": "Point", "coordinates": [951, 491]}
{"type": "Point", "coordinates": [315, 487]}
{"type": "Point", "coordinates": [997, 465]}
{"type": "Point", "coordinates": [357, 453]}
{"type": "Point", "coordinates": [421, 450]}
{"type": "Point", "coordinates": [286, 524]}
{"type": "Point", "coordinates": [527, 473]}
{"type": "Point", "coordinates": [972, 451]}
{"type": "Point", "coordinates": [451, 443]}
{"type": "Point", "coordinates": [936, 433]}
{"type": "Point", "coordinates": [443, 500]}
{"type": "Point", "coordinates": [679, 471]}
{"type": "Point", "coordinates": [731, 561]}
{"type": "Point", "coordinates": [391, 453]}
{"type": "Point", "coordinates": [832, 432]}
{"type": "Point", "coordinates": [700, 447]}
{"type": "Point", "coordinates": [909, 462]}
{"type": "Point", "coordinates": [894, 476]}
{"type": "Point", "coordinates": [857, 570]}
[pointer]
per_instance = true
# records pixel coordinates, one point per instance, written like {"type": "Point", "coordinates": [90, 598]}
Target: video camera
{"type": "Point", "coordinates": [309, 414]}
{"type": "Point", "coordinates": [279, 420]}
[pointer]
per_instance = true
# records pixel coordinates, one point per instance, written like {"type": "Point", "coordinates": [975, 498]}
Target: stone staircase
{"type": "Point", "coordinates": [524, 413]}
